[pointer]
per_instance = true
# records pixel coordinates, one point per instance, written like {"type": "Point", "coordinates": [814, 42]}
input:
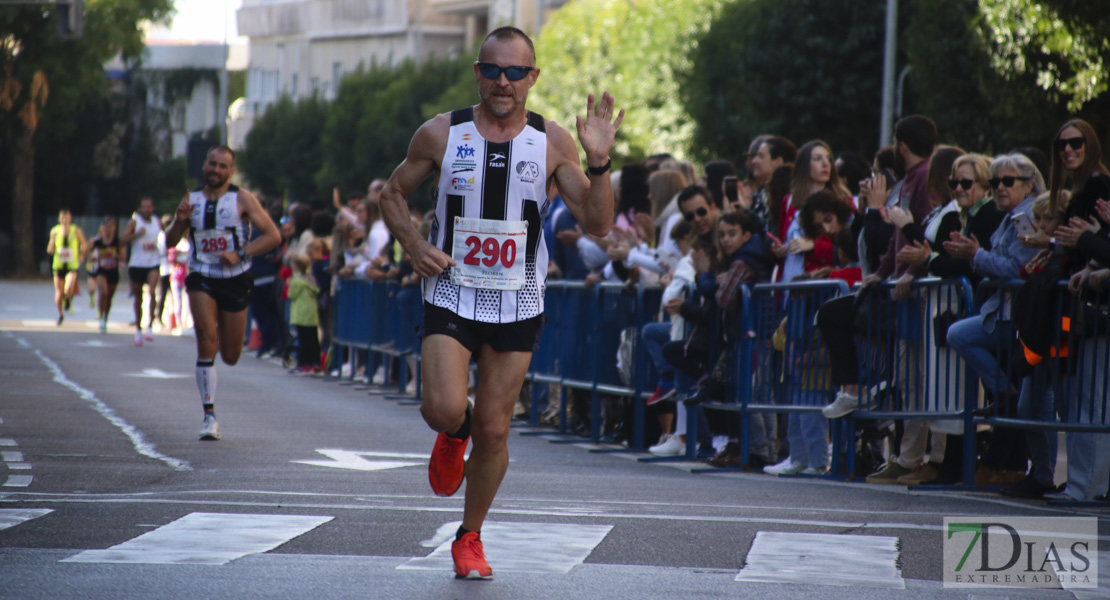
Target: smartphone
{"type": "Point", "coordinates": [730, 183]}
{"type": "Point", "coordinates": [889, 177]}
{"type": "Point", "coordinates": [1023, 224]}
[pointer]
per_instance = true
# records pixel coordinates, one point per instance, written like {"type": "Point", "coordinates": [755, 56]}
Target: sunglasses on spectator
{"type": "Point", "coordinates": [514, 73]}
{"type": "Point", "coordinates": [701, 211]}
{"type": "Point", "coordinates": [1075, 143]}
{"type": "Point", "coordinates": [961, 183]}
{"type": "Point", "coordinates": [1007, 181]}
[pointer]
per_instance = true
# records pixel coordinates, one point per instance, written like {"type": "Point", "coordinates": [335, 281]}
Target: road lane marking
{"type": "Point", "coordinates": [10, 517]}
{"type": "Point", "coordinates": [18, 481]}
{"type": "Point", "coordinates": [138, 440]}
{"type": "Point", "coordinates": [206, 539]}
{"type": "Point", "coordinates": [7, 442]}
{"type": "Point", "coordinates": [157, 374]}
{"type": "Point", "coordinates": [353, 460]}
{"type": "Point", "coordinates": [10, 456]}
{"type": "Point", "coordinates": [518, 547]}
{"type": "Point", "coordinates": [823, 559]}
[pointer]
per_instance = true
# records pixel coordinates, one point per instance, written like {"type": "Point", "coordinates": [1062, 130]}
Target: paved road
{"type": "Point", "coordinates": [319, 490]}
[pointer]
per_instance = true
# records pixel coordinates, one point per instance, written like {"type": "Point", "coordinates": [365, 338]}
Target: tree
{"type": "Point", "coordinates": [283, 152]}
{"type": "Point", "coordinates": [376, 111]}
{"type": "Point", "coordinates": [803, 68]}
{"type": "Point", "coordinates": [46, 81]}
{"type": "Point", "coordinates": [633, 49]}
{"type": "Point", "coordinates": [953, 79]}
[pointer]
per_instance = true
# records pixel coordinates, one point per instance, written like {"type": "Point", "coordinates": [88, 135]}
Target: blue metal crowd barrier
{"type": "Point", "coordinates": [901, 343]}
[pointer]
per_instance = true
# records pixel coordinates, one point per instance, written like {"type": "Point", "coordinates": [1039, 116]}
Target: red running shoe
{"type": "Point", "coordinates": [445, 469]}
{"type": "Point", "coordinates": [470, 559]}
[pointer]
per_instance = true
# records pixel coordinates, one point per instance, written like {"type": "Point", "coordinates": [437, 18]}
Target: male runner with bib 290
{"type": "Point", "coordinates": [218, 217]}
{"type": "Point", "coordinates": [485, 262]}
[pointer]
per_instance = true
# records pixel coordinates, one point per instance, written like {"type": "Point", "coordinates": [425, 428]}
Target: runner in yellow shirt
{"type": "Point", "coordinates": [67, 244]}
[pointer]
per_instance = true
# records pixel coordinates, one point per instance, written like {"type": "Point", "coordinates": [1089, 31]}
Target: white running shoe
{"type": "Point", "coordinates": [211, 429]}
{"type": "Point", "coordinates": [786, 467]}
{"type": "Point", "coordinates": [149, 333]}
{"type": "Point", "coordinates": [103, 324]}
{"type": "Point", "coordinates": [673, 445]}
{"type": "Point", "coordinates": [138, 337]}
{"type": "Point", "coordinates": [844, 404]}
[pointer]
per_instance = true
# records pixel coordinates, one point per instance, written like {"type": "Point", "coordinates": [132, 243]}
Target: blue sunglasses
{"type": "Point", "coordinates": [514, 73]}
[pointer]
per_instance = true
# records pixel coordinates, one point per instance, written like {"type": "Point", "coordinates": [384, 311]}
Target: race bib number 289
{"type": "Point", "coordinates": [489, 254]}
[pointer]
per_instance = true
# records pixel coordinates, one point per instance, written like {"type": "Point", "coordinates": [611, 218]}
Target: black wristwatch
{"type": "Point", "coordinates": [241, 253]}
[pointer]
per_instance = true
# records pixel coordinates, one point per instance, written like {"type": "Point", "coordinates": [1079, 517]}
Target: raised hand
{"type": "Point", "coordinates": [597, 130]}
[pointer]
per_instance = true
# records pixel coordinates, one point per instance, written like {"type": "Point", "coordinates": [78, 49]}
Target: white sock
{"type": "Point", "coordinates": [206, 382]}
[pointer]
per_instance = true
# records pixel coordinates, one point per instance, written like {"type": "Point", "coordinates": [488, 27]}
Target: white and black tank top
{"type": "Point", "coordinates": [492, 181]}
{"type": "Point", "coordinates": [216, 227]}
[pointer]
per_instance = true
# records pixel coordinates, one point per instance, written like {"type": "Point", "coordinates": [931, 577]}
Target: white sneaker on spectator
{"type": "Point", "coordinates": [673, 445]}
{"type": "Point", "coordinates": [786, 467]}
{"type": "Point", "coordinates": [844, 404]}
{"type": "Point", "coordinates": [815, 471]}
{"type": "Point", "coordinates": [379, 376]}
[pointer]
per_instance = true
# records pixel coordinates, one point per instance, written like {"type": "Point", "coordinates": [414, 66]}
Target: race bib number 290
{"type": "Point", "coordinates": [489, 254]}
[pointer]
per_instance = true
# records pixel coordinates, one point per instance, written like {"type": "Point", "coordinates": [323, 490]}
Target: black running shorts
{"type": "Point", "coordinates": [232, 294]}
{"type": "Point", "coordinates": [139, 274]}
{"type": "Point", "coordinates": [519, 336]}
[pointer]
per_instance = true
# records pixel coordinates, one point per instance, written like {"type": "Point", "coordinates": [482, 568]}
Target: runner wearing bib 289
{"type": "Point", "coordinates": [218, 218]}
{"type": "Point", "coordinates": [485, 263]}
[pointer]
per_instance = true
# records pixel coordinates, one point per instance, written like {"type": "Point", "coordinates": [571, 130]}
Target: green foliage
{"type": "Point", "coordinates": [376, 112]}
{"type": "Point", "coordinates": [805, 69]}
{"type": "Point", "coordinates": [283, 150]}
{"type": "Point", "coordinates": [1065, 44]}
{"type": "Point", "coordinates": [953, 79]}
{"type": "Point", "coordinates": [236, 85]}
{"type": "Point", "coordinates": [632, 49]}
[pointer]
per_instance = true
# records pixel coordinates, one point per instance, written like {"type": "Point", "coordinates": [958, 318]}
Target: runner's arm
{"type": "Point", "coordinates": [589, 197]}
{"type": "Point", "coordinates": [425, 151]}
{"type": "Point", "coordinates": [259, 218]}
{"type": "Point", "coordinates": [129, 234]}
{"type": "Point", "coordinates": [180, 222]}
{"type": "Point", "coordinates": [83, 249]}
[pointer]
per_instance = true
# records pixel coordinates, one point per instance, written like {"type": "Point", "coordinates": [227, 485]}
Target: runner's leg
{"type": "Point", "coordinates": [500, 377]}
{"type": "Point", "coordinates": [232, 327]}
{"type": "Point", "coordinates": [205, 318]}
{"type": "Point", "coordinates": [444, 396]}
{"type": "Point", "coordinates": [152, 299]}
{"type": "Point", "coordinates": [59, 294]}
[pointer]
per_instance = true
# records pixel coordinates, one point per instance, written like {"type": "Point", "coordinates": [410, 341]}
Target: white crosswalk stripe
{"type": "Point", "coordinates": [206, 539]}
{"type": "Point", "coordinates": [518, 547]}
{"type": "Point", "coordinates": [823, 559]}
{"type": "Point", "coordinates": [10, 517]}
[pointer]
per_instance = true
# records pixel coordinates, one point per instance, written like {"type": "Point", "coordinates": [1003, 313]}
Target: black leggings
{"type": "Point", "coordinates": [308, 346]}
{"type": "Point", "coordinates": [836, 320]}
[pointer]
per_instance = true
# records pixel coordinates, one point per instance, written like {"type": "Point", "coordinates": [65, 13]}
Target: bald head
{"type": "Point", "coordinates": [507, 34]}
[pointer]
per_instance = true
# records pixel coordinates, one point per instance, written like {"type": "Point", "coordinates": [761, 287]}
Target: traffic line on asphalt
{"type": "Point", "coordinates": [18, 481]}
{"type": "Point", "coordinates": [10, 517]}
{"type": "Point", "coordinates": [353, 460]}
{"type": "Point", "coordinates": [206, 539]}
{"type": "Point", "coordinates": [823, 559]}
{"type": "Point", "coordinates": [138, 440]}
{"type": "Point", "coordinates": [518, 547]}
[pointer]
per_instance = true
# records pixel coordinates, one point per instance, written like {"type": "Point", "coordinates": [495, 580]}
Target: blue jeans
{"type": "Point", "coordinates": [979, 350]}
{"type": "Point", "coordinates": [808, 433]}
{"type": "Point", "coordinates": [653, 336]}
{"type": "Point", "coordinates": [1089, 453]}
{"type": "Point", "coordinates": [1036, 402]}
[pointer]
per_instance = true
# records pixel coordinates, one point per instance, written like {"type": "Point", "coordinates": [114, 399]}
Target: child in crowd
{"type": "Point", "coordinates": [319, 253]}
{"type": "Point", "coordinates": [809, 383]}
{"type": "Point", "coordinates": [303, 315]}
